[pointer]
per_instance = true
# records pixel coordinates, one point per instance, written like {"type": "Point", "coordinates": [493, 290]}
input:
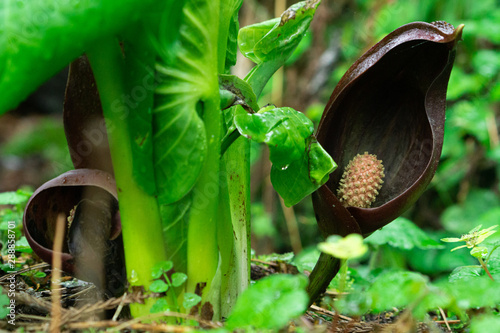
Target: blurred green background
{"type": "Point", "coordinates": [465, 190]}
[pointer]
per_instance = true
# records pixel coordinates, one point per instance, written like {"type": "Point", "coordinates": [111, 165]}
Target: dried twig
{"type": "Point", "coordinates": [445, 320]}
{"type": "Point", "coordinates": [328, 313]}
{"type": "Point", "coordinates": [55, 323]}
{"type": "Point", "coordinates": [114, 325]}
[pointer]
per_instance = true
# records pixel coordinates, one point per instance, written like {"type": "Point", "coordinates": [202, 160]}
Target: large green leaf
{"type": "Point", "coordinates": [38, 38]}
{"type": "Point", "coordinates": [403, 234]}
{"type": "Point", "coordinates": [270, 303]}
{"type": "Point", "coordinates": [186, 80]}
{"type": "Point", "coordinates": [228, 32]}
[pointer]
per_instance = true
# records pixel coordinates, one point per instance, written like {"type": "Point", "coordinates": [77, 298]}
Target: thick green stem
{"type": "Point", "coordinates": [325, 270]}
{"type": "Point", "coordinates": [203, 254]}
{"type": "Point", "coordinates": [260, 75]}
{"type": "Point", "coordinates": [140, 217]}
{"type": "Point", "coordinates": [234, 223]}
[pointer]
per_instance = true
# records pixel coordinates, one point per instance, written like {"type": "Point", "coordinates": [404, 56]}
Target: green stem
{"type": "Point", "coordinates": [260, 75]}
{"type": "Point", "coordinates": [172, 293]}
{"type": "Point", "coordinates": [325, 270]}
{"type": "Point", "coordinates": [234, 223]}
{"type": "Point", "coordinates": [485, 268]}
{"type": "Point", "coordinates": [203, 254]}
{"type": "Point", "coordinates": [140, 216]}
{"type": "Point", "coordinates": [343, 277]}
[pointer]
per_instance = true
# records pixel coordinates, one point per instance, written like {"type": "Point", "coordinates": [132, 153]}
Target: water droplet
{"type": "Point", "coordinates": [284, 168]}
{"type": "Point", "coordinates": [64, 180]}
{"type": "Point", "coordinates": [133, 277]}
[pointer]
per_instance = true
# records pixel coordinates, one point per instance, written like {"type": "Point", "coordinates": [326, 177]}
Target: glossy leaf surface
{"type": "Point", "coordinates": [185, 81]}
{"type": "Point", "coordinates": [269, 44]}
{"type": "Point", "coordinates": [300, 165]}
{"type": "Point", "coordinates": [403, 234]}
{"type": "Point", "coordinates": [39, 38]}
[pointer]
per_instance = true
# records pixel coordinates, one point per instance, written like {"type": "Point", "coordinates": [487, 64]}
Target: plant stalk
{"type": "Point", "coordinates": [483, 264]}
{"type": "Point", "coordinates": [203, 252]}
{"type": "Point", "coordinates": [140, 216]}
{"type": "Point", "coordinates": [325, 270]}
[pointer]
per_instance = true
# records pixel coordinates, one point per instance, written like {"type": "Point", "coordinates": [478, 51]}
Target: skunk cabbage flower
{"type": "Point", "coordinates": [383, 125]}
{"type": "Point", "coordinates": [87, 197]}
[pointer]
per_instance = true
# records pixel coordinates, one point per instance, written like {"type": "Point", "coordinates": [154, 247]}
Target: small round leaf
{"type": "Point", "coordinates": [178, 279]}
{"type": "Point", "coordinates": [158, 286]}
{"type": "Point", "coordinates": [479, 252]}
{"type": "Point", "coordinates": [190, 300]}
{"type": "Point", "coordinates": [160, 268]}
{"type": "Point", "coordinates": [161, 305]}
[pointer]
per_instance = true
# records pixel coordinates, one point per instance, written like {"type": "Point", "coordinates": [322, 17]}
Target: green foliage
{"type": "Point", "coordinates": [54, 32]}
{"type": "Point", "coordinates": [191, 73]}
{"type": "Point", "coordinates": [300, 165]}
{"type": "Point", "coordinates": [18, 197]}
{"type": "Point", "coordinates": [11, 221]}
{"type": "Point", "coordinates": [349, 247]}
{"type": "Point", "coordinates": [4, 302]}
{"type": "Point", "coordinates": [403, 234]}
{"type": "Point", "coordinates": [284, 130]}
{"type": "Point", "coordinates": [270, 303]}
{"type": "Point", "coordinates": [269, 44]}
{"type": "Point", "coordinates": [484, 323]}
{"type": "Point", "coordinates": [190, 300]}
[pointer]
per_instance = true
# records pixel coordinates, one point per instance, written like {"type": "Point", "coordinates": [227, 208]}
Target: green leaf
{"type": "Point", "coordinates": [284, 130]}
{"type": "Point", "coordinates": [160, 305]}
{"type": "Point", "coordinates": [190, 300]}
{"type": "Point", "coordinates": [22, 245]}
{"type": "Point", "coordinates": [270, 303]}
{"type": "Point", "coordinates": [160, 268]}
{"type": "Point", "coordinates": [403, 234]}
{"type": "Point", "coordinates": [15, 197]}
{"type": "Point", "coordinates": [479, 252]}
{"type": "Point", "coordinates": [175, 220]}
{"type": "Point", "coordinates": [348, 247]}
{"type": "Point", "coordinates": [277, 38]}
{"type": "Point", "coordinates": [228, 31]}
{"type": "Point", "coordinates": [474, 292]}
{"type": "Point", "coordinates": [269, 44]}
{"type": "Point", "coordinates": [40, 38]}
{"type": "Point", "coordinates": [178, 279]}
{"type": "Point", "coordinates": [300, 164]}
{"type": "Point", "coordinates": [240, 89]}
{"type": "Point", "coordinates": [465, 272]}
{"type": "Point", "coordinates": [397, 289]}
{"type": "Point", "coordinates": [304, 176]}
{"type": "Point", "coordinates": [484, 323]}
{"type": "Point", "coordinates": [249, 37]}
{"type": "Point", "coordinates": [158, 286]}
{"type": "Point", "coordinates": [186, 81]}
{"type": "Point", "coordinates": [4, 302]}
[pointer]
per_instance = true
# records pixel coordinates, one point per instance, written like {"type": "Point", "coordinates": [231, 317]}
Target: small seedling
{"type": "Point", "coordinates": [472, 239]}
{"type": "Point", "coordinates": [344, 248]}
{"type": "Point", "coordinates": [163, 283]}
